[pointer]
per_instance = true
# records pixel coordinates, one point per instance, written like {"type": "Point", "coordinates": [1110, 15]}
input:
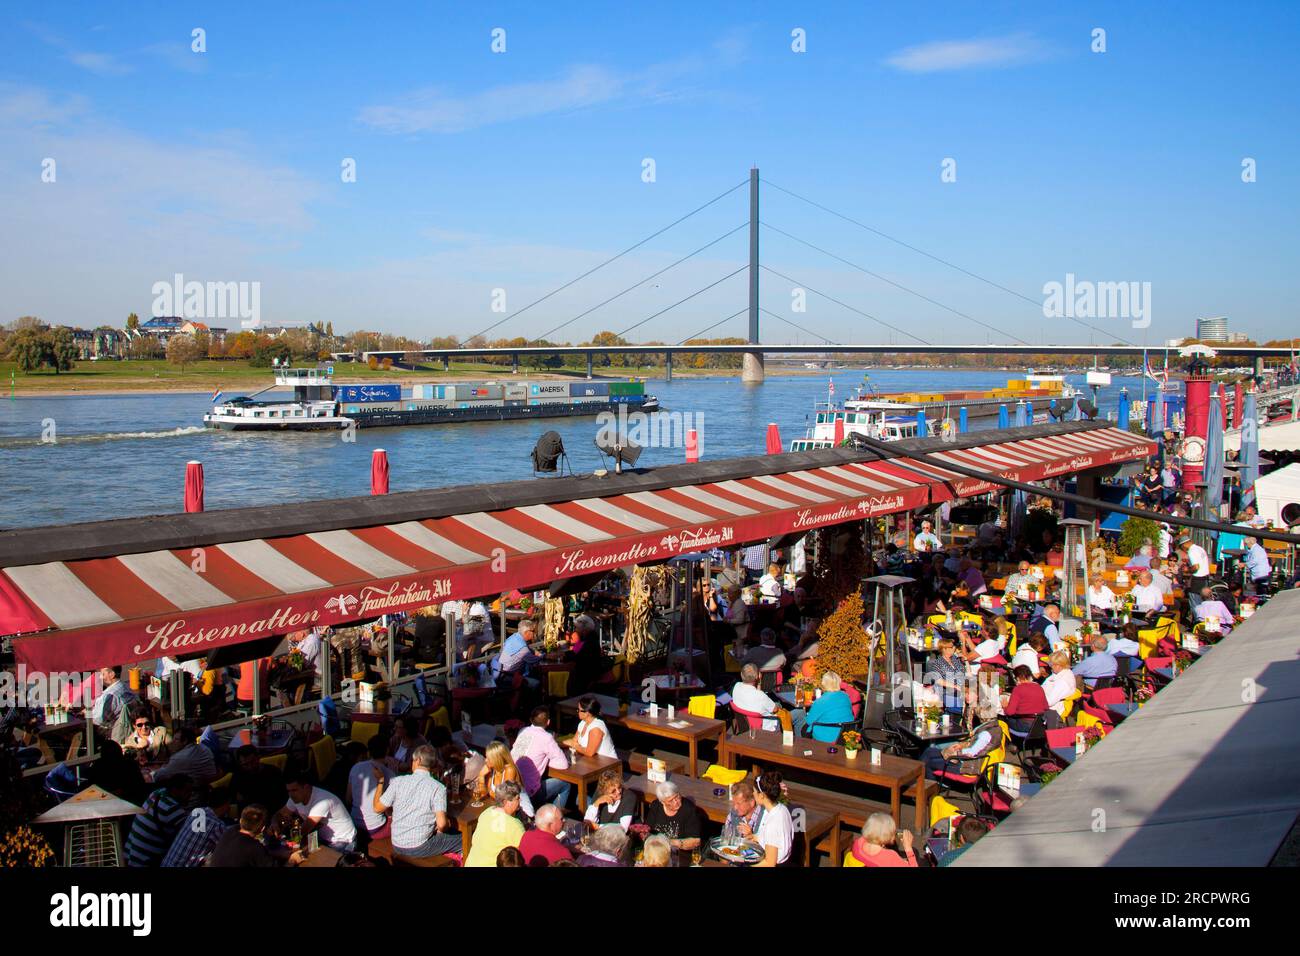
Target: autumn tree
{"type": "Point", "coordinates": [132, 322]}
{"type": "Point", "coordinates": [184, 350]}
{"type": "Point", "coordinates": [843, 645]}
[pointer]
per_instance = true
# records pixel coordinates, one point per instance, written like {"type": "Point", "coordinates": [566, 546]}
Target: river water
{"type": "Point", "coordinates": [115, 456]}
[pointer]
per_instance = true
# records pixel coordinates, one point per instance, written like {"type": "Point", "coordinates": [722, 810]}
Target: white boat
{"type": "Point", "coordinates": [312, 408]}
{"type": "Point", "coordinates": [879, 426]}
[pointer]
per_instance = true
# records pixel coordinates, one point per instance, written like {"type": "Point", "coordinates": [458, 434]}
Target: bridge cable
{"type": "Point", "coordinates": [831, 298]}
{"type": "Point", "coordinates": [643, 281]}
{"type": "Point", "coordinates": [1109, 333]}
{"type": "Point", "coordinates": [713, 326]}
{"type": "Point", "coordinates": [611, 259]}
{"type": "Point", "coordinates": [680, 301]}
{"type": "Point", "coordinates": [896, 285]}
{"type": "Point", "coordinates": [816, 335]}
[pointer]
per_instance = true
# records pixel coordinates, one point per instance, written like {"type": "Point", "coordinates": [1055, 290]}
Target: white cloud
{"type": "Point", "coordinates": [943, 55]}
{"type": "Point", "coordinates": [103, 64]}
{"type": "Point", "coordinates": [436, 110]}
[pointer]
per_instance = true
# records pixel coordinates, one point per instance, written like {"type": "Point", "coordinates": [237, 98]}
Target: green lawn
{"type": "Point", "coordinates": [236, 374]}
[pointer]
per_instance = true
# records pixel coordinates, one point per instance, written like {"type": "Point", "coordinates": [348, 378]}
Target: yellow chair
{"type": "Point", "coordinates": [936, 619]}
{"type": "Point", "coordinates": [729, 662]}
{"type": "Point", "coordinates": [557, 683]}
{"type": "Point", "coordinates": [783, 718]}
{"type": "Point", "coordinates": [222, 783]}
{"type": "Point", "coordinates": [278, 761]}
{"type": "Point", "coordinates": [441, 718]}
{"type": "Point", "coordinates": [723, 776]}
{"type": "Point", "coordinates": [321, 756]}
{"type": "Point", "coordinates": [970, 616]}
{"type": "Point", "coordinates": [1086, 720]}
{"type": "Point", "coordinates": [1150, 637]}
{"type": "Point", "coordinates": [941, 809]}
{"type": "Point", "coordinates": [363, 730]}
{"type": "Point", "coordinates": [703, 705]}
{"type": "Point", "coordinates": [1070, 703]}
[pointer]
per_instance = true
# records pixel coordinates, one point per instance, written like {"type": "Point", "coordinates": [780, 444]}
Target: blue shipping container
{"type": "Point", "coordinates": [580, 389]}
{"type": "Point", "coordinates": [367, 393]}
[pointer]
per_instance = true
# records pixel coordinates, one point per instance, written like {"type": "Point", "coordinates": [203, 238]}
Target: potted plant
{"type": "Point", "coordinates": [852, 742]}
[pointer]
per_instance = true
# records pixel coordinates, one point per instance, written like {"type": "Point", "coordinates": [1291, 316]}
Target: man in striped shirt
{"type": "Point", "coordinates": [154, 830]}
{"type": "Point", "coordinates": [419, 806]}
{"type": "Point", "coordinates": [198, 835]}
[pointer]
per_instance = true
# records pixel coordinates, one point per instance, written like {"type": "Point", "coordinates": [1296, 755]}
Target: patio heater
{"type": "Point", "coordinates": [1074, 566]}
{"type": "Point", "coordinates": [888, 618]}
{"type": "Point", "coordinates": [683, 594]}
{"type": "Point", "coordinates": [91, 837]}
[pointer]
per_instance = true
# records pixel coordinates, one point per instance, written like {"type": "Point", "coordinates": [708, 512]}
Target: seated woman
{"type": "Point", "coordinates": [613, 803]}
{"type": "Point", "coordinates": [592, 738]}
{"type": "Point", "coordinates": [498, 767]}
{"type": "Point", "coordinates": [986, 736]}
{"type": "Point", "coordinates": [657, 852]}
{"type": "Point", "coordinates": [1030, 654]}
{"type": "Point", "coordinates": [1060, 684]}
{"type": "Point", "coordinates": [872, 848]}
{"type": "Point", "coordinates": [608, 848]}
{"type": "Point", "coordinates": [823, 719]}
{"type": "Point", "coordinates": [1025, 702]}
{"type": "Point", "coordinates": [675, 817]}
{"type": "Point", "coordinates": [775, 833]}
{"type": "Point", "coordinates": [406, 737]}
{"type": "Point", "coordinates": [947, 673]}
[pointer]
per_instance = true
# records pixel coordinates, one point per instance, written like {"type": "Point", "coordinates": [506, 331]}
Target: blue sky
{"type": "Point", "coordinates": [520, 170]}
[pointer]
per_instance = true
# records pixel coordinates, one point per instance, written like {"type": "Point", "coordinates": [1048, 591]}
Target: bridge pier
{"type": "Point", "coordinates": [514, 364]}
{"type": "Point", "coordinates": [589, 365]}
{"type": "Point", "coordinates": [668, 366]}
{"type": "Point", "coordinates": [446, 363]}
{"type": "Point", "coordinates": [1259, 366]}
{"type": "Point", "coordinates": [752, 370]}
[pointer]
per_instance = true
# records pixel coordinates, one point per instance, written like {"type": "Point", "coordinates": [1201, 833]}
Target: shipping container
{"type": "Point", "coordinates": [549, 388]}
{"type": "Point", "coordinates": [372, 407]}
{"type": "Point", "coordinates": [588, 388]}
{"type": "Point", "coordinates": [627, 388]}
{"type": "Point", "coordinates": [367, 393]}
{"type": "Point", "coordinates": [516, 391]}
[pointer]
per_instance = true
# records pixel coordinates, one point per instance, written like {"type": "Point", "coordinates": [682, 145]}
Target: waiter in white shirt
{"type": "Point", "coordinates": [1198, 563]}
{"type": "Point", "coordinates": [926, 540]}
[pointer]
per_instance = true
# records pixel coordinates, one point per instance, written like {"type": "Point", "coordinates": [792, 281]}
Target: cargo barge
{"type": "Point", "coordinates": [1039, 390]}
{"type": "Point", "coordinates": [319, 405]}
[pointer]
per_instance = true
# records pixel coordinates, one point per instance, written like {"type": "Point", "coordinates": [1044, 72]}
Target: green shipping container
{"type": "Point", "coordinates": [627, 388]}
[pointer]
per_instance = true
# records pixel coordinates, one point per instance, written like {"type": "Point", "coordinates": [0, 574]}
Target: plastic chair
{"type": "Point", "coordinates": [748, 720]}
{"type": "Point", "coordinates": [278, 761]}
{"type": "Point", "coordinates": [702, 705]}
{"type": "Point", "coordinates": [1086, 720]}
{"type": "Point", "coordinates": [320, 758]}
{"type": "Point", "coordinates": [557, 683]}
{"type": "Point", "coordinates": [951, 774]}
{"type": "Point", "coordinates": [723, 776]}
{"type": "Point", "coordinates": [941, 809]}
{"type": "Point", "coordinates": [329, 716]}
{"type": "Point", "coordinates": [441, 718]}
{"type": "Point", "coordinates": [1070, 703]}
{"type": "Point", "coordinates": [362, 730]}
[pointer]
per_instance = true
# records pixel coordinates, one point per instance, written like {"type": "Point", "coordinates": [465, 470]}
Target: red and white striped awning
{"type": "Point", "coordinates": [87, 613]}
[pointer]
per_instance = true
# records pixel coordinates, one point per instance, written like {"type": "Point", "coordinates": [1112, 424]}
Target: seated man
{"type": "Point", "coordinates": [192, 758]}
{"type": "Point", "coordinates": [1023, 575]}
{"type": "Point", "coordinates": [321, 812]}
{"type": "Point", "coordinates": [976, 645]}
{"type": "Point", "coordinates": [1096, 665]}
{"type": "Point", "coordinates": [418, 802]}
{"type": "Point", "coordinates": [497, 828]}
{"type": "Point", "coordinates": [1143, 557]}
{"type": "Point", "coordinates": [746, 696]}
{"type": "Point", "coordinates": [970, 751]}
{"type": "Point", "coordinates": [256, 782]}
{"type": "Point", "coordinates": [675, 817]}
{"type": "Point", "coordinates": [1029, 654]}
{"type": "Point", "coordinates": [517, 650]}
{"type": "Point", "coordinates": [1258, 567]}
{"type": "Point", "coordinates": [1049, 626]}
{"type": "Point", "coordinates": [972, 577]}
{"type": "Point", "coordinates": [1212, 607]}
{"type": "Point", "coordinates": [541, 846]}
{"type": "Point", "coordinates": [1125, 644]}
{"type": "Point", "coordinates": [766, 656]}
{"type": "Point", "coordinates": [926, 539]}
{"type": "Point", "coordinates": [1158, 577]}
{"type": "Point", "coordinates": [1147, 597]}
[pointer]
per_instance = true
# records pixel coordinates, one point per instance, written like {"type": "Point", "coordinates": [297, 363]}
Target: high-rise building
{"type": "Point", "coordinates": [1212, 330]}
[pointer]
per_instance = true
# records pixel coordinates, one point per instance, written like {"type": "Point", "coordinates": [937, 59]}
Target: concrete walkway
{"type": "Point", "coordinates": [1206, 774]}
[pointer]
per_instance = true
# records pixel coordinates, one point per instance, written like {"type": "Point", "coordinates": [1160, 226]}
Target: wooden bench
{"type": "Point", "coordinates": [636, 762]}
{"type": "Point", "coordinates": [423, 861]}
{"type": "Point", "coordinates": [852, 811]}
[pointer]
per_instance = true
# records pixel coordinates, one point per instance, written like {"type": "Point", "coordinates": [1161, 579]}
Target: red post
{"type": "Point", "coordinates": [1196, 424]}
{"type": "Point", "coordinates": [773, 439]}
{"type": "Point", "coordinates": [193, 486]}
{"type": "Point", "coordinates": [379, 472]}
{"type": "Point", "coordinates": [692, 445]}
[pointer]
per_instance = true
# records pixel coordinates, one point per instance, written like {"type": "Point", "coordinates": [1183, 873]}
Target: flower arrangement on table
{"type": "Point", "coordinates": [297, 660]}
{"type": "Point", "coordinates": [1088, 630]}
{"type": "Point", "coordinates": [1128, 603]}
{"type": "Point", "coordinates": [931, 713]}
{"type": "Point", "coordinates": [1183, 659]}
{"type": "Point", "coordinates": [851, 740]}
{"type": "Point", "coordinates": [1091, 736]}
{"type": "Point", "coordinates": [22, 847]}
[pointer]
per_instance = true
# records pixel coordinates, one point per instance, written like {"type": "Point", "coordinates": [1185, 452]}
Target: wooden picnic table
{"type": "Point", "coordinates": [582, 772]}
{"type": "Point", "coordinates": [685, 727]}
{"type": "Point", "coordinates": [817, 822]}
{"type": "Point", "coordinates": [893, 773]}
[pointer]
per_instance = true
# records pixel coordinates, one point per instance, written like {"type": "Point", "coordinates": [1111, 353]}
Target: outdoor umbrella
{"type": "Point", "coordinates": [773, 439]}
{"type": "Point", "coordinates": [194, 486]}
{"type": "Point", "coordinates": [379, 472]}
{"type": "Point", "coordinates": [1249, 448]}
{"type": "Point", "coordinates": [1214, 464]}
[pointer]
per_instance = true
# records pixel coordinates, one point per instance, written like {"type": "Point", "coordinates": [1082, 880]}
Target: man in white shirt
{"type": "Point", "coordinates": [1118, 644]}
{"type": "Point", "coordinates": [321, 811]}
{"type": "Point", "coordinates": [1158, 577]}
{"type": "Point", "coordinates": [1198, 562]}
{"type": "Point", "coordinates": [746, 696]}
{"type": "Point", "coordinates": [769, 585]}
{"type": "Point", "coordinates": [1100, 597]}
{"type": "Point", "coordinates": [310, 648]}
{"type": "Point", "coordinates": [1023, 575]}
{"type": "Point", "coordinates": [1146, 595]}
{"type": "Point", "coordinates": [926, 539]}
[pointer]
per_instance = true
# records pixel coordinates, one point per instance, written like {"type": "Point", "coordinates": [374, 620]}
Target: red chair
{"type": "Point", "coordinates": [1099, 712]}
{"type": "Point", "coordinates": [1108, 695]}
{"type": "Point", "coordinates": [855, 698]}
{"type": "Point", "coordinates": [1062, 737]}
{"type": "Point", "coordinates": [753, 721]}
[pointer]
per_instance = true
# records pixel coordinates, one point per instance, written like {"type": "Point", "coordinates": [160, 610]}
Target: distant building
{"type": "Point", "coordinates": [1212, 330]}
{"type": "Point", "coordinates": [1234, 337]}
{"type": "Point", "coordinates": [161, 327]}
{"type": "Point", "coordinates": [99, 343]}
